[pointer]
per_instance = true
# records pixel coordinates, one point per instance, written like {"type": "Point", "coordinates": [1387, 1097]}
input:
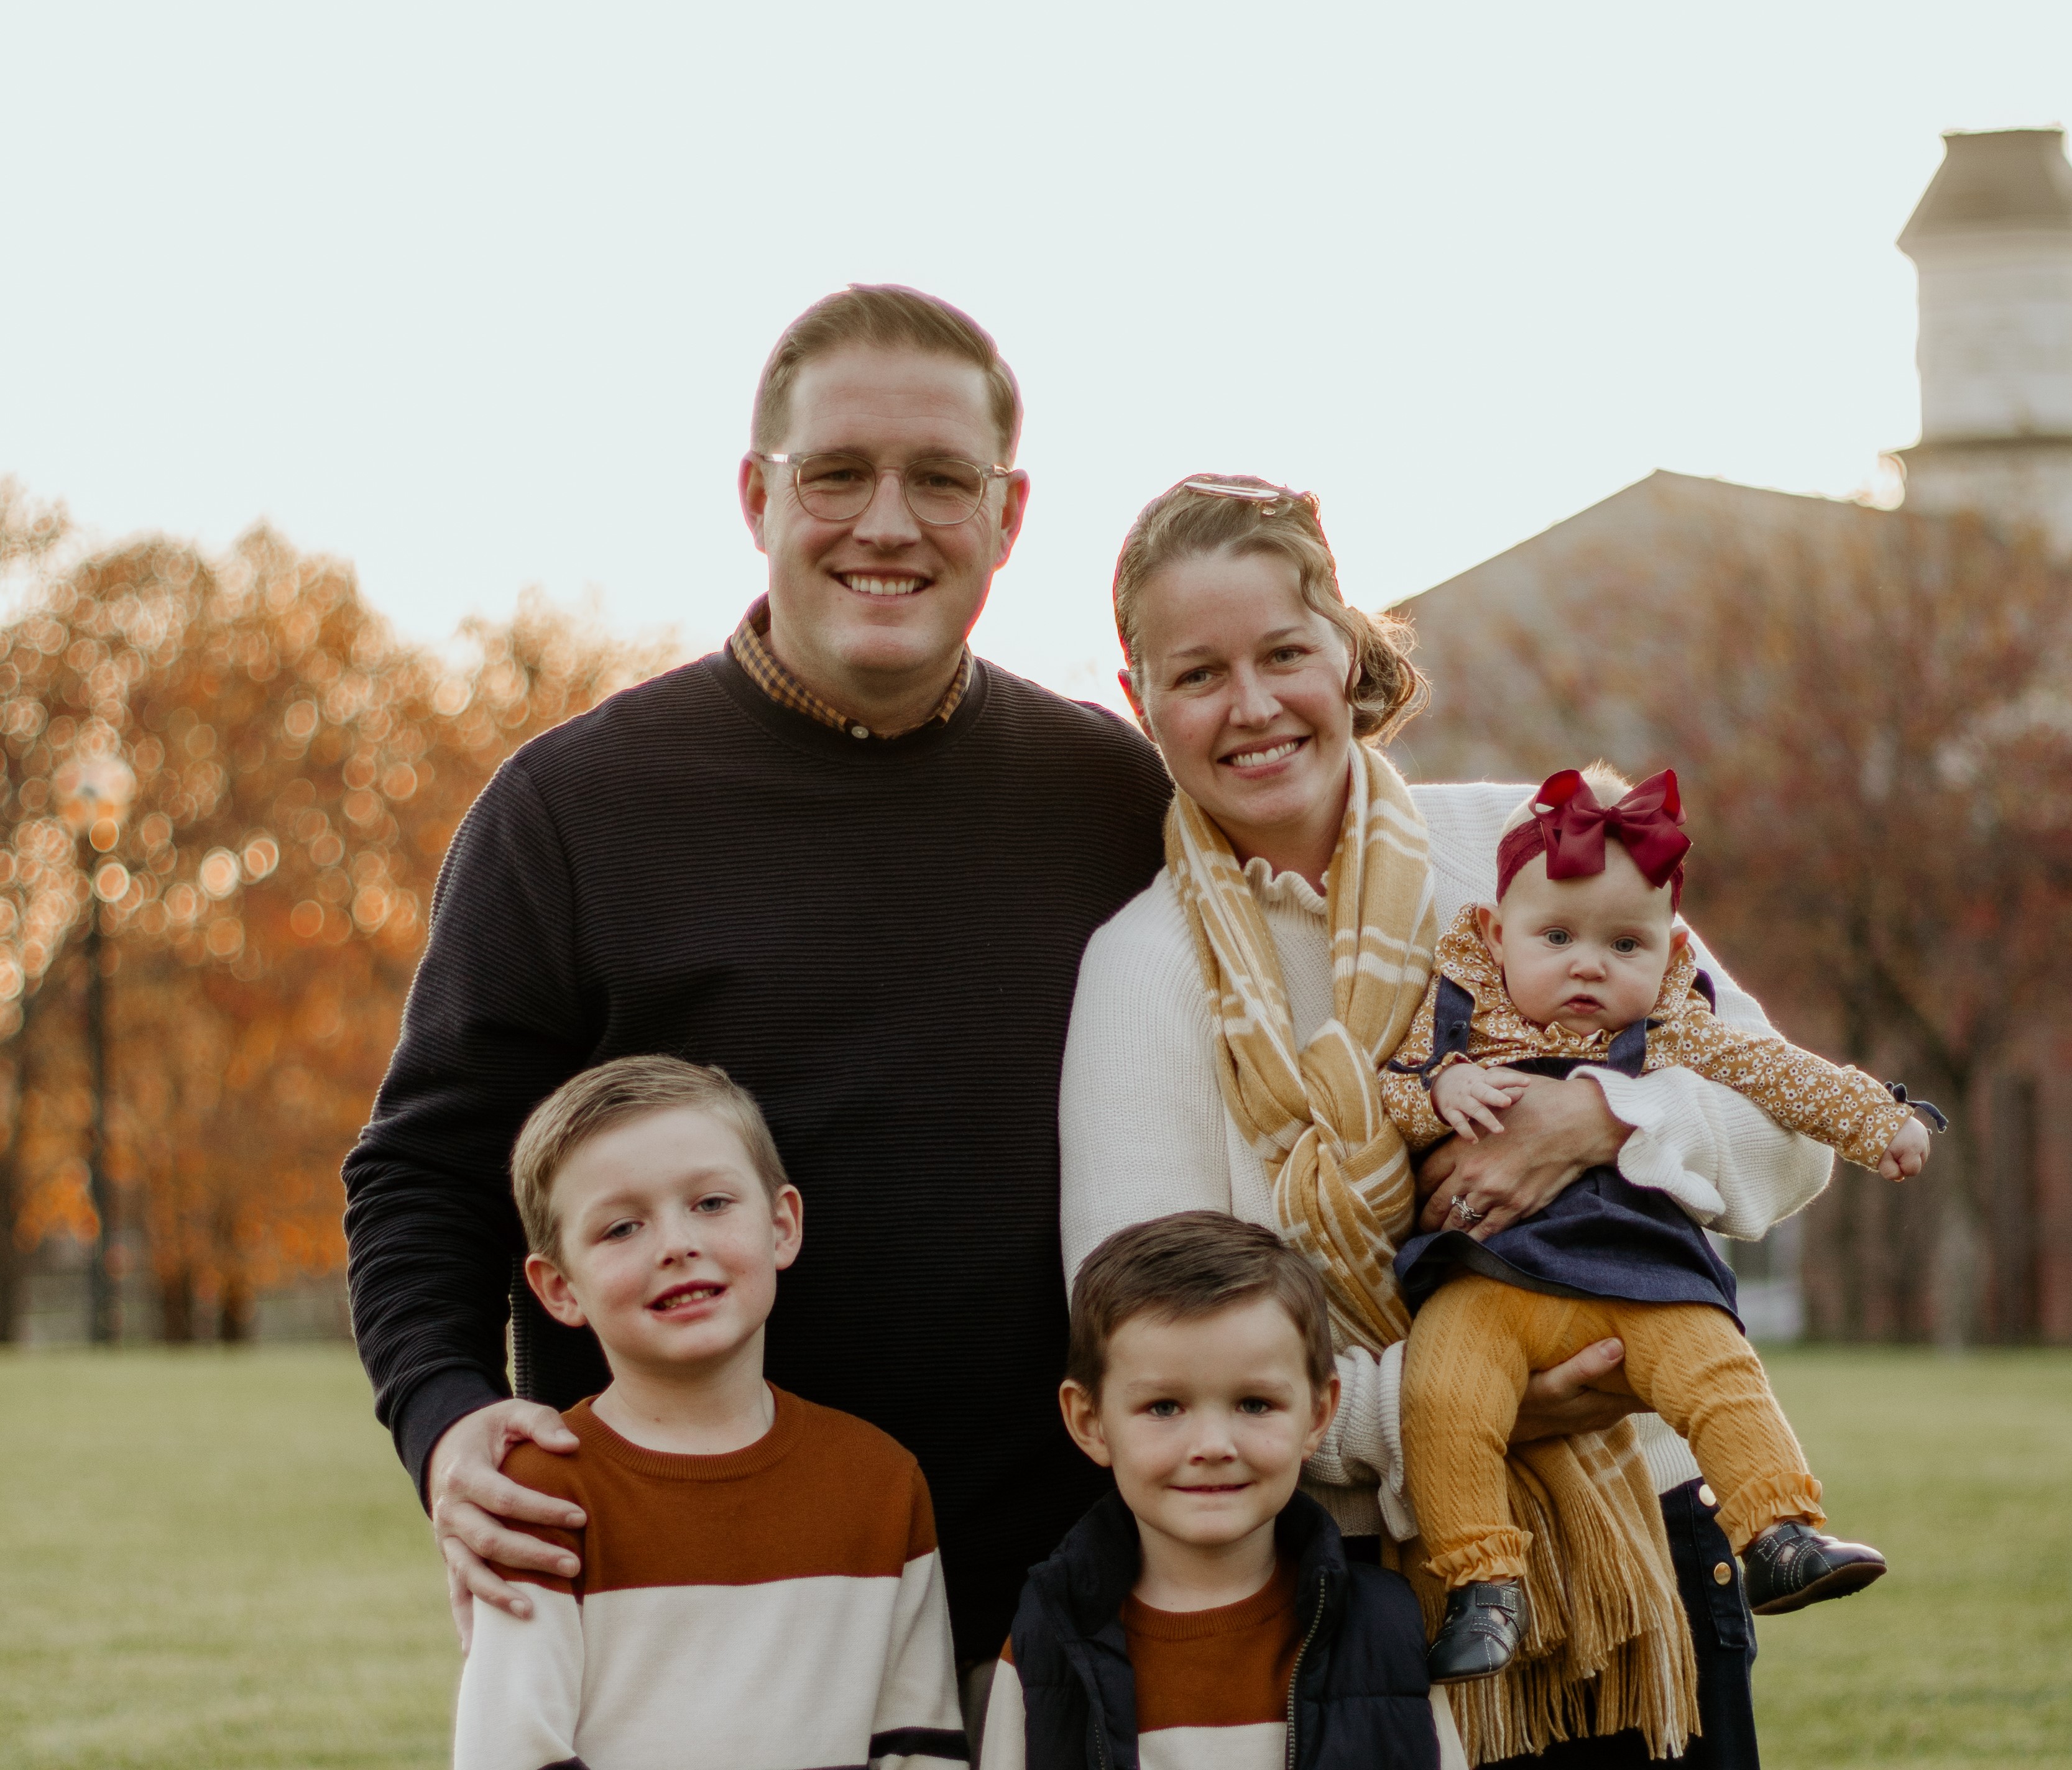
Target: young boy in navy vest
{"type": "Point", "coordinates": [1205, 1608]}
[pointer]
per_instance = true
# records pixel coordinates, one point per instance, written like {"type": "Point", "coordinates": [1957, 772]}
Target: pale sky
{"type": "Point", "coordinates": [476, 297]}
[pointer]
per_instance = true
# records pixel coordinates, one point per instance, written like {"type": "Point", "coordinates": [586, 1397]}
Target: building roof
{"type": "Point", "coordinates": [1642, 522]}
{"type": "Point", "coordinates": [2005, 179]}
{"type": "Point", "coordinates": [1654, 538]}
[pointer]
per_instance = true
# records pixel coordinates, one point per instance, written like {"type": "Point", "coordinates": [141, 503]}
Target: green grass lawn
{"type": "Point", "coordinates": [211, 1559]}
{"type": "Point", "coordinates": [1960, 1470]}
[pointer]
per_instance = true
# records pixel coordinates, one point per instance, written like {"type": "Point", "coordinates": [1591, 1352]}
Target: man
{"type": "Point", "coordinates": [855, 867]}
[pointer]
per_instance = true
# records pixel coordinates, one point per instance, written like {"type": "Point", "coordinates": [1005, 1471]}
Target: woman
{"type": "Point", "coordinates": [1219, 1058]}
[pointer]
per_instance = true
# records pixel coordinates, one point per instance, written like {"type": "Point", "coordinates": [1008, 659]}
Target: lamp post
{"type": "Point", "coordinates": [93, 793]}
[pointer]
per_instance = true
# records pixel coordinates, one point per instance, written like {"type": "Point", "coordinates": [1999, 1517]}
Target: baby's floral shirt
{"type": "Point", "coordinates": [1852, 1113]}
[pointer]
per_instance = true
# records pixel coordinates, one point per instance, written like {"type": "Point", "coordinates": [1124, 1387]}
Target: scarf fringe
{"type": "Point", "coordinates": [1608, 1648]}
{"type": "Point", "coordinates": [1523, 1711]}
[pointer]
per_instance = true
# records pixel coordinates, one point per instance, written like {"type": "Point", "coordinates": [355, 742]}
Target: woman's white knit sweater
{"type": "Point", "coordinates": [1145, 1133]}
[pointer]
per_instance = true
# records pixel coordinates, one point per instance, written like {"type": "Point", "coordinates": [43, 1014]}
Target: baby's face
{"type": "Point", "coordinates": [1587, 953]}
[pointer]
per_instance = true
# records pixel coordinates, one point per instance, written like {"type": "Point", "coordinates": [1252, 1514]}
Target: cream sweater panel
{"type": "Point", "coordinates": [1144, 1132]}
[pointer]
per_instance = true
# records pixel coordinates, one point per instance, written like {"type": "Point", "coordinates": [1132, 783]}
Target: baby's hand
{"type": "Point", "coordinates": [1905, 1156]}
{"type": "Point", "coordinates": [1466, 1094]}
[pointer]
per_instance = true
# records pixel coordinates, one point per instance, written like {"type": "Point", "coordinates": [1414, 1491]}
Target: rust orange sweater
{"type": "Point", "coordinates": [780, 1606]}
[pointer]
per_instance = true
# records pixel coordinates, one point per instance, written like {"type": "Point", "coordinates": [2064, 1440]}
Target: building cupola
{"type": "Point", "coordinates": [1992, 238]}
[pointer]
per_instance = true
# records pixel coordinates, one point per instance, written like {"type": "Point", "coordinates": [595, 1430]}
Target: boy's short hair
{"type": "Point", "coordinates": [884, 316]}
{"type": "Point", "coordinates": [587, 1106]}
{"type": "Point", "coordinates": [1190, 1264]}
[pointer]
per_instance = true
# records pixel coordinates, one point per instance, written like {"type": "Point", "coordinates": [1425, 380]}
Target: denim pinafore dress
{"type": "Point", "coordinates": [1603, 1237]}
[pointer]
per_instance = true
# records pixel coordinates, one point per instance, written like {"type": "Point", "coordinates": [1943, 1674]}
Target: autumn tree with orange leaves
{"type": "Point", "coordinates": [1872, 719]}
{"type": "Point", "coordinates": [298, 772]}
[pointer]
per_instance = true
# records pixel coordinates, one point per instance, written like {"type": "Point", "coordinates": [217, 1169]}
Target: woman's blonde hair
{"type": "Point", "coordinates": [1198, 516]}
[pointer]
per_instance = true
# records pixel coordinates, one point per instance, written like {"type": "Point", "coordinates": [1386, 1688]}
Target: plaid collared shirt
{"type": "Point", "coordinates": [751, 647]}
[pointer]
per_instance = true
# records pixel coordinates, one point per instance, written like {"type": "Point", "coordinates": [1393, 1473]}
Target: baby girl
{"type": "Point", "coordinates": [1581, 963]}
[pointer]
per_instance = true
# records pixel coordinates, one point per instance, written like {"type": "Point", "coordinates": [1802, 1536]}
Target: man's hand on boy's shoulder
{"type": "Point", "coordinates": [471, 1500]}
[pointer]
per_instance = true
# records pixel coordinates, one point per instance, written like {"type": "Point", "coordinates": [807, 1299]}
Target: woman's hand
{"type": "Point", "coordinates": [1561, 1403]}
{"type": "Point", "coordinates": [1555, 1131]}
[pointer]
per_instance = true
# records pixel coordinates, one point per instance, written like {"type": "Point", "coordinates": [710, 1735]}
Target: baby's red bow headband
{"type": "Point", "coordinates": [1569, 827]}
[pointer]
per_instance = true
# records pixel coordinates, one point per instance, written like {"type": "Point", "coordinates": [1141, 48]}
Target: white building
{"type": "Point", "coordinates": [1992, 238]}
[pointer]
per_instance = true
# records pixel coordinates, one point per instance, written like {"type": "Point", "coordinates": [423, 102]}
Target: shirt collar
{"type": "Point", "coordinates": [750, 646]}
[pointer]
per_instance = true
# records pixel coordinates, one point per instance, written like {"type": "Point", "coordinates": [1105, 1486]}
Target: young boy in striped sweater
{"type": "Point", "coordinates": [759, 1577]}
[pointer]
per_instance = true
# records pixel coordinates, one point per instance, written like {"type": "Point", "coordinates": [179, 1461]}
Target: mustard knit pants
{"type": "Point", "coordinates": [1476, 1343]}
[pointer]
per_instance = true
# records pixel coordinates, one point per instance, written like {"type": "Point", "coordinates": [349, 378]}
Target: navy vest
{"type": "Point", "coordinates": [1360, 1700]}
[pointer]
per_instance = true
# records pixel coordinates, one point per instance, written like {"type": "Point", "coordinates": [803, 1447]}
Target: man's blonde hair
{"type": "Point", "coordinates": [886, 317]}
{"type": "Point", "coordinates": [1181, 523]}
{"type": "Point", "coordinates": [585, 1107]}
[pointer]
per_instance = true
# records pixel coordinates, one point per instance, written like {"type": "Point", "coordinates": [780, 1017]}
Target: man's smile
{"type": "Point", "coordinates": [877, 584]}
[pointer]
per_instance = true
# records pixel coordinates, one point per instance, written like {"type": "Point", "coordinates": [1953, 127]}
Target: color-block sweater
{"type": "Point", "coordinates": [781, 1606]}
{"type": "Point", "coordinates": [878, 939]}
{"type": "Point", "coordinates": [1211, 1686]}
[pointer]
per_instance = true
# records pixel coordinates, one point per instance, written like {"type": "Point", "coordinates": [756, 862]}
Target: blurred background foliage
{"type": "Point", "coordinates": [1870, 714]}
{"type": "Point", "coordinates": [296, 772]}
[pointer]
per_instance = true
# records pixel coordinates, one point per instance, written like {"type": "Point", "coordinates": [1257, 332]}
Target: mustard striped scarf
{"type": "Point", "coordinates": [1315, 1117]}
{"type": "Point", "coordinates": [1609, 1647]}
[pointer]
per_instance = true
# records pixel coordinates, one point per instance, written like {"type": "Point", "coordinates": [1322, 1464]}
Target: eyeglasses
{"type": "Point", "coordinates": [941, 490]}
{"type": "Point", "coordinates": [1271, 499]}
